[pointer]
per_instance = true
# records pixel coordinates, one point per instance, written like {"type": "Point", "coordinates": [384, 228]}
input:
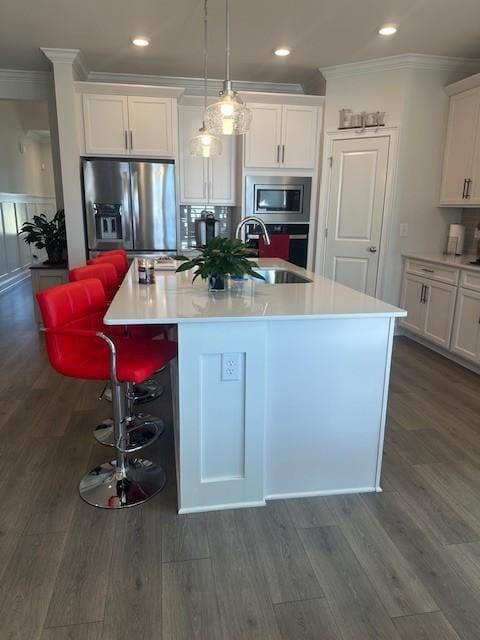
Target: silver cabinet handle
{"type": "Point", "coordinates": [372, 249]}
{"type": "Point", "coordinates": [425, 295]}
{"type": "Point", "coordinates": [283, 153]}
{"type": "Point", "coordinates": [464, 186]}
{"type": "Point", "coordinates": [469, 183]}
{"type": "Point", "coordinates": [126, 140]}
{"type": "Point", "coordinates": [428, 270]}
{"type": "Point", "coordinates": [421, 293]}
{"type": "Point", "coordinates": [131, 139]}
{"type": "Point", "coordinates": [278, 153]}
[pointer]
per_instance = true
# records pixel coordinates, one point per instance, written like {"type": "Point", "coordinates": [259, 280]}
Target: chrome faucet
{"type": "Point", "coordinates": [261, 224]}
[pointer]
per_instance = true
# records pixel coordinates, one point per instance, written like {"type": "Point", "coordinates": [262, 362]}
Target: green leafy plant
{"type": "Point", "coordinates": [48, 234]}
{"type": "Point", "coordinates": [222, 257]}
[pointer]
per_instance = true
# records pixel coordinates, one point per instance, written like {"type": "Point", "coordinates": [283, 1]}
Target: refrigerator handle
{"type": "Point", "coordinates": [134, 203]}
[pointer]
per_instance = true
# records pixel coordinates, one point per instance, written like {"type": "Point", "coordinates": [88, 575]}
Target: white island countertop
{"type": "Point", "coordinates": [174, 299]}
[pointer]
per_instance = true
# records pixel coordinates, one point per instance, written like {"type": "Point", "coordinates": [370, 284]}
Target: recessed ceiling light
{"type": "Point", "coordinates": [387, 30]}
{"type": "Point", "coordinates": [282, 51]}
{"type": "Point", "coordinates": [140, 41]}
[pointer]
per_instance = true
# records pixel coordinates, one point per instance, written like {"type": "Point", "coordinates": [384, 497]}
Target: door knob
{"type": "Point", "coordinates": [372, 249]}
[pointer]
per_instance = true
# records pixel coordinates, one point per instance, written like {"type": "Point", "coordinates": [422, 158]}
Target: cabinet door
{"type": "Point", "coordinates": [460, 145]}
{"type": "Point", "coordinates": [473, 190]}
{"type": "Point", "coordinates": [105, 120]}
{"type": "Point", "coordinates": [412, 291]}
{"type": "Point", "coordinates": [466, 330]}
{"type": "Point", "coordinates": [193, 170]}
{"type": "Point", "coordinates": [150, 126]}
{"type": "Point", "coordinates": [263, 141]}
{"type": "Point", "coordinates": [299, 136]}
{"type": "Point", "coordinates": [439, 309]}
{"type": "Point", "coordinates": [222, 174]}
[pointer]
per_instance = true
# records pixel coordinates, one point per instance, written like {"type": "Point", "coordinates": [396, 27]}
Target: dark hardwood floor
{"type": "Point", "coordinates": [401, 565]}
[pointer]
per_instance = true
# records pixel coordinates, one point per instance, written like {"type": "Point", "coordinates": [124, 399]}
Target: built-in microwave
{"type": "Point", "coordinates": [278, 198]}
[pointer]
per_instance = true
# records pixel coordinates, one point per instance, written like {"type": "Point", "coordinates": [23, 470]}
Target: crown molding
{"type": "Point", "coordinates": [73, 57]}
{"type": "Point", "coordinates": [24, 85]}
{"type": "Point", "coordinates": [192, 86]}
{"type": "Point", "coordinates": [402, 61]}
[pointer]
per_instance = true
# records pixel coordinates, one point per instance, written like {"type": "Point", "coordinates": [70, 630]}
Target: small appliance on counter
{"type": "Point", "coordinates": [206, 227]}
{"type": "Point", "coordinates": [455, 240]}
{"type": "Point", "coordinates": [476, 236]}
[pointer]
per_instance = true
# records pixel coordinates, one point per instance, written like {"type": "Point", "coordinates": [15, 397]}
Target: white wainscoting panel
{"type": "Point", "coordinates": [221, 422]}
{"type": "Point", "coordinates": [15, 254]}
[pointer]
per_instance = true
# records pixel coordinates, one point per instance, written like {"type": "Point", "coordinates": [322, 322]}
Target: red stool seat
{"type": "Point", "coordinates": [119, 261]}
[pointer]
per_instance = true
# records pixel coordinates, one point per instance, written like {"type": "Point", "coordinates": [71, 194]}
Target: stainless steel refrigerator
{"type": "Point", "coordinates": [129, 205]}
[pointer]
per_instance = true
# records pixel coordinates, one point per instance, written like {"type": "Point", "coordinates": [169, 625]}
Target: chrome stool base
{"type": "Point", "coordinates": [142, 431]}
{"type": "Point", "coordinates": [144, 392]}
{"type": "Point", "coordinates": [102, 488]}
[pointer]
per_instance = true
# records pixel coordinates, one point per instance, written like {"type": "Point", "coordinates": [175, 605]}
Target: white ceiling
{"type": "Point", "coordinates": [320, 33]}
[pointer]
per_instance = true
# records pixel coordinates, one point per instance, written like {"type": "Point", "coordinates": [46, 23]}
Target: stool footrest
{"type": "Point", "coordinates": [142, 431]}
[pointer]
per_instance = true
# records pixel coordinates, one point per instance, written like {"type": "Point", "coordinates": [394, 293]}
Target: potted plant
{"type": "Point", "coordinates": [49, 235]}
{"type": "Point", "coordinates": [219, 258]}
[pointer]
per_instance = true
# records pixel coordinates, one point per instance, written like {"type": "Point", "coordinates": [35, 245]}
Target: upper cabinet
{"type": "Point", "coordinates": [282, 136]}
{"type": "Point", "coordinates": [461, 166]}
{"type": "Point", "coordinates": [128, 125]}
{"type": "Point", "coordinates": [204, 180]}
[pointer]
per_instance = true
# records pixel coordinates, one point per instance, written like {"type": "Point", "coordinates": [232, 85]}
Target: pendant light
{"type": "Point", "coordinates": [229, 115]}
{"type": "Point", "coordinates": [205, 144]}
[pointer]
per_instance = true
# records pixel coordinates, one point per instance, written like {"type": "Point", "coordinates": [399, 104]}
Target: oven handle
{"type": "Point", "coordinates": [292, 236]}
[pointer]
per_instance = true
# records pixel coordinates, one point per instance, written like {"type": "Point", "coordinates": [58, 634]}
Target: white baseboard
{"type": "Point", "coordinates": [443, 352]}
{"type": "Point", "coordinates": [313, 494]}
{"type": "Point", "coordinates": [223, 507]}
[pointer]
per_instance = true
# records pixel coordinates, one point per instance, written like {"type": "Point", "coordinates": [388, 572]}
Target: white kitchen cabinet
{"type": "Point", "coordinates": [205, 180]}
{"type": "Point", "coordinates": [466, 330]}
{"type": "Point", "coordinates": [282, 136]}
{"type": "Point", "coordinates": [439, 303]}
{"type": "Point", "coordinates": [412, 301]}
{"type": "Point", "coordinates": [430, 306]}
{"type": "Point", "coordinates": [461, 165]}
{"type": "Point", "coordinates": [128, 125]}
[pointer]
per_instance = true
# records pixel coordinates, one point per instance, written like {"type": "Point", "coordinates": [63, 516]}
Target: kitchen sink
{"type": "Point", "coordinates": [280, 276]}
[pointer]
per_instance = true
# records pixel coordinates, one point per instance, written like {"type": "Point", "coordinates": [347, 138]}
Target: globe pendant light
{"type": "Point", "coordinates": [229, 115]}
{"type": "Point", "coordinates": [204, 144]}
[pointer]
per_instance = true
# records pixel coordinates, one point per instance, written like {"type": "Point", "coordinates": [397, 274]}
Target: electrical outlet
{"type": "Point", "coordinates": [230, 366]}
{"type": "Point", "coordinates": [403, 230]}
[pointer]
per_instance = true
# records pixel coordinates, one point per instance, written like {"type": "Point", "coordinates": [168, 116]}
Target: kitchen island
{"type": "Point", "coordinates": [279, 389]}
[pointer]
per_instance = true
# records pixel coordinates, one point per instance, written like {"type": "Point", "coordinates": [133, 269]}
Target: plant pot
{"type": "Point", "coordinates": [216, 283]}
{"type": "Point", "coordinates": [56, 255]}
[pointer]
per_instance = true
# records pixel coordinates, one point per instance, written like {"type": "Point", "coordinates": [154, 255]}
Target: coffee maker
{"type": "Point", "coordinates": [207, 227]}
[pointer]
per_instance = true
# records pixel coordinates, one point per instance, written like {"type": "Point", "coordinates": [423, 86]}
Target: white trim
{"type": "Point", "coordinates": [393, 133]}
{"type": "Point", "coordinates": [24, 85]}
{"type": "Point", "coordinates": [104, 88]}
{"type": "Point", "coordinates": [328, 492]}
{"type": "Point", "coordinates": [73, 57]}
{"type": "Point", "coordinates": [472, 82]}
{"type": "Point", "coordinates": [192, 86]}
{"type": "Point", "coordinates": [386, 387]}
{"type": "Point", "coordinates": [25, 197]}
{"type": "Point", "coordinates": [222, 507]}
{"type": "Point", "coordinates": [441, 351]}
{"type": "Point", "coordinates": [401, 61]}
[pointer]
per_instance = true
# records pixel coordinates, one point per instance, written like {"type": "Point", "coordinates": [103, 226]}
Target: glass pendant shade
{"type": "Point", "coordinates": [229, 115]}
{"type": "Point", "coordinates": [205, 145]}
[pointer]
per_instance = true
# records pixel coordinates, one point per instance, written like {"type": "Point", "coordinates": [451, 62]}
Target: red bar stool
{"type": "Point", "coordinates": [76, 348]}
{"type": "Point", "coordinates": [105, 272]}
{"type": "Point", "coordinates": [118, 252]}
{"type": "Point", "coordinates": [119, 261]}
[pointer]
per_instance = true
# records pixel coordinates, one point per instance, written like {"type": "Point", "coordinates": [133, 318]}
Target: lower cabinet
{"type": "Point", "coordinates": [466, 330]}
{"type": "Point", "coordinates": [430, 306]}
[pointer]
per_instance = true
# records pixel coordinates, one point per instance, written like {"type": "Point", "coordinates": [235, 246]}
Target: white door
{"type": "Point", "coordinates": [263, 141]}
{"type": "Point", "coordinates": [355, 211]}
{"type": "Point", "coordinates": [299, 136]}
{"type": "Point", "coordinates": [459, 148]}
{"type": "Point", "coordinates": [105, 121]}
{"type": "Point", "coordinates": [150, 126]}
{"type": "Point", "coordinates": [412, 300]}
{"type": "Point", "coordinates": [439, 300]}
{"type": "Point", "coordinates": [222, 174]}
{"type": "Point", "coordinates": [193, 170]}
{"type": "Point", "coordinates": [466, 331]}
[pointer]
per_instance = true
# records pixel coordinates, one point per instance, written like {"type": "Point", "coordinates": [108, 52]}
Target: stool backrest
{"type": "Point", "coordinates": [119, 262]}
{"type": "Point", "coordinates": [76, 305]}
{"type": "Point", "coordinates": [105, 272]}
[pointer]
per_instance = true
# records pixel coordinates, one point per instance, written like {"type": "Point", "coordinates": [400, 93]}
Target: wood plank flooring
{"type": "Point", "coordinates": [401, 565]}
